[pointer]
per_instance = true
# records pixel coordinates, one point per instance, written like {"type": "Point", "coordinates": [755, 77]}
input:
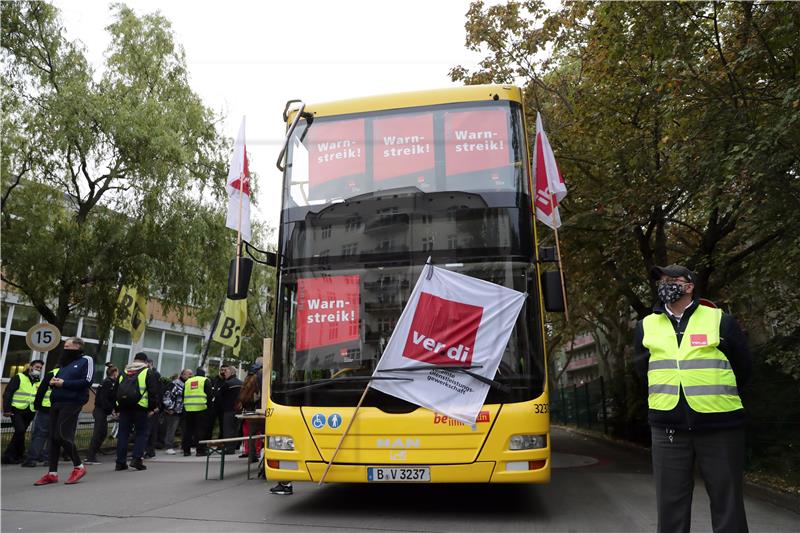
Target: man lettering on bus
{"type": "Point", "coordinates": [695, 360]}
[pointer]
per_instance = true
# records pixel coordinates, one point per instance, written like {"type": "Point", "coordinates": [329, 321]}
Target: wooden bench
{"type": "Point", "coordinates": [217, 447]}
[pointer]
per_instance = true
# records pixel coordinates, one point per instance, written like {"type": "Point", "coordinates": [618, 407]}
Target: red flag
{"type": "Point", "coordinates": [238, 186]}
{"type": "Point", "coordinates": [550, 187]}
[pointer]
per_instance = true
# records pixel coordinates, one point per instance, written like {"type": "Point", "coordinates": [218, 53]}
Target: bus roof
{"type": "Point", "coordinates": [469, 93]}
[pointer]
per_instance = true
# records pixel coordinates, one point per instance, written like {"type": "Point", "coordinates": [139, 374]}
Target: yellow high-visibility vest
{"type": "Point", "coordinates": [194, 394]}
{"type": "Point", "coordinates": [696, 365]}
{"type": "Point", "coordinates": [141, 379]}
{"type": "Point", "coordinates": [46, 399]}
{"type": "Point", "coordinates": [23, 397]}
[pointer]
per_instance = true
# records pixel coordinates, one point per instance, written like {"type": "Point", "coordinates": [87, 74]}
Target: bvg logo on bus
{"type": "Point", "coordinates": [443, 331]}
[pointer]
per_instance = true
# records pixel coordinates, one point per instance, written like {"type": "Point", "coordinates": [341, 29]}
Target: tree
{"type": "Point", "coordinates": [108, 178]}
{"type": "Point", "coordinates": [677, 128]}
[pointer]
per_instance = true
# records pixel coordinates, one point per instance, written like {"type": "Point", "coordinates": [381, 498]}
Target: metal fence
{"type": "Point", "coordinates": [586, 406]}
{"type": "Point", "coordinates": [83, 433]}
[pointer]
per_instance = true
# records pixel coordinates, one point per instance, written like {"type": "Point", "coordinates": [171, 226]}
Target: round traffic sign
{"type": "Point", "coordinates": [43, 337]}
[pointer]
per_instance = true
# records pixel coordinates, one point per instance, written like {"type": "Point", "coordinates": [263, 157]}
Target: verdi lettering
{"type": "Point", "coordinates": [456, 353]}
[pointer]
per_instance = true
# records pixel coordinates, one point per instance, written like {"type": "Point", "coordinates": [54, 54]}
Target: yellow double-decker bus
{"type": "Point", "coordinates": [372, 188]}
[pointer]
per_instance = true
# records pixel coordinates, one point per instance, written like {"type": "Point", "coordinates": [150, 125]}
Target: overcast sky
{"type": "Point", "coordinates": [250, 57]}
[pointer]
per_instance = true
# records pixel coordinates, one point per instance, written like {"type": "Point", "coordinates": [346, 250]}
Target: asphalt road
{"type": "Point", "coordinates": [596, 487]}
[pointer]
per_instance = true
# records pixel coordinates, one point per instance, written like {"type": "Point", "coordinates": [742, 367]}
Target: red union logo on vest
{"type": "Point", "coordinates": [443, 331]}
{"type": "Point", "coordinates": [699, 339]}
{"type": "Point", "coordinates": [195, 384]}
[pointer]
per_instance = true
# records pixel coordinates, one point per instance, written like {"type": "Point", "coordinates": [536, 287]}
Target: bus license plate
{"type": "Point", "coordinates": [395, 474]}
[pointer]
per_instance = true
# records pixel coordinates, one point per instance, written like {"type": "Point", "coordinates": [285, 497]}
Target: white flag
{"type": "Point", "coordinates": [450, 320]}
{"type": "Point", "coordinates": [238, 186]}
{"type": "Point", "coordinates": [550, 187]}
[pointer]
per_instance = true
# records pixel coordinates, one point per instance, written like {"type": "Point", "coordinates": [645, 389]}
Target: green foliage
{"type": "Point", "coordinates": [108, 178]}
{"type": "Point", "coordinates": [677, 127]}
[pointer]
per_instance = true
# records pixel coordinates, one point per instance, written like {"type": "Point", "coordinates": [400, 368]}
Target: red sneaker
{"type": "Point", "coordinates": [47, 479]}
{"type": "Point", "coordinates": [76, 474]}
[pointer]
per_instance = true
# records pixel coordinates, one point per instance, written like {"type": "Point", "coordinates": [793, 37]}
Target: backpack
{"type": "Point", "coordinates": [128, 393]}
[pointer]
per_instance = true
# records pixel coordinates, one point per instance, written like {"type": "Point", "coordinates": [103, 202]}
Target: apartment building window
{"type": "Point", "coordinates": [326, 232]}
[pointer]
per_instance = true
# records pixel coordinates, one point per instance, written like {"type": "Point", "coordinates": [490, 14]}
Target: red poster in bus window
{"type": "Point", "coordinates": [335, 149]}
{"type": "Point", "coordinates": [402, 145]}
{"type": "Point", "coordinates": [475, 140]}
{"type": "Point", "coordinates": [327, 311]}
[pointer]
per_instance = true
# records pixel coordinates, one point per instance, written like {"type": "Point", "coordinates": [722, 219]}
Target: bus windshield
{"type": "Point", "coordinates": [368, 198]}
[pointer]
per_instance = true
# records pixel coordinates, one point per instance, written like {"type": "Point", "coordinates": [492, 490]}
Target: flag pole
{"type": "Point", "coordinates": [239, 237]}
{"type": "Point", "coordinates": [346, 431]}
{"type": "Point", "coordinates": [558, 254]}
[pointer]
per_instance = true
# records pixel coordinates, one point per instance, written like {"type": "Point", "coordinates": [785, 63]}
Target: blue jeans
{"type": "Point", "coordinates": [39, 437]}
{"type": "Point", "coordinates": [137, 420]}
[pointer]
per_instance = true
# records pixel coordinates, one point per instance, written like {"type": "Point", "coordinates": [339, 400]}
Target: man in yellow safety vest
{"type": "Point", "coordinates": [196, 396]}
{"type": "Point", "coordinates": [18, 405]}
{"type": "Point", "coordinates": [695, 359]}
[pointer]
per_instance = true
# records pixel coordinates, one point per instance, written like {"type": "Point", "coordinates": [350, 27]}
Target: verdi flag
{"type": "Point", "coordinates": [231, 323]}
{"type": "Point", "coordinates": [238, 187]}
{"type": "Point", "coordinates": [132, 311]}
{"type": "Point", "coordinates": [454, 325]}
{"type": "Point", "coordinates": [550, 187]}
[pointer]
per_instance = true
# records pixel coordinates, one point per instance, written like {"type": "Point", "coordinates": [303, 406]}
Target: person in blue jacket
{"type": "Point", "coordinates": [70, 391]}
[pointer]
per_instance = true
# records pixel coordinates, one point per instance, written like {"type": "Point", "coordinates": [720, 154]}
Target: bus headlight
{"type": "Point", "coordinates": [527, 442]}
{"type": "Point", "coordinates": [280, 442]}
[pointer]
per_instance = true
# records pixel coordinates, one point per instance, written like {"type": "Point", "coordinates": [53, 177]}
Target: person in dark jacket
{"type": "Point", "coordinates": [172, 400]}
{"type": "Point", "coordinates": [70, 392]}
{"type": "Point", "coordinates": [40, 436]}
{"type": "Point", "coordinates": [18, 402]}
{"type": "Point", "coordinates": [136, 416]}
{"type": "Point", "coordinates": [155, 421]}
{"type": "Point", "coordinates": [104, 404]}
{"type": "Point", "coordinates": [215, 405]}
{"type": "Point", "coordinates": [229, 396]}
{"type": "Point", "coordinates": [695, 360]}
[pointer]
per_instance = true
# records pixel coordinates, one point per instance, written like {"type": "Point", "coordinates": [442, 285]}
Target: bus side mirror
{"type": "Point", "coordinates": [552, 291]}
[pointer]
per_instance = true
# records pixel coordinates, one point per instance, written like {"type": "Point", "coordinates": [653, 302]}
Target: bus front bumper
{"type": "Point", "coordinates": [478, 472]}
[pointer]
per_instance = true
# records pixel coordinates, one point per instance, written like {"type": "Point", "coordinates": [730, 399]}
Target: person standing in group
{"type": "Point", "coordinates": [40, 437]}
{"type": "Point", "coordinates": [196, 395]}
{"type": "Point", "coordinates": [695, 360]}
{"type": "Point", "coordinates": [229, 396]}
{"type": "Point", "coordinates": [154, 421]}
{"type": "Point", "coordinates": [215, 404]}
{"type": "Point", "coordinates": [70, 392]}
{"type": "Point", "coordinates": [173, 409]}
{"type": "Point", "coordinates": [18, 401]}
{"type": "Point", "coordinates": [104, 405]}
{"type": "Point", "coordinates": [137, 396]}
{"type": "Point", "coordinates": [250, 399]}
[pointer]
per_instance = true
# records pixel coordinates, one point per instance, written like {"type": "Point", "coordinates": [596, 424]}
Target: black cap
{"type": "Point", "coordinates": [200, 372]}
{"type": "Point", "coordinates": [673, 271]}
{"type": "Point", "coordinates": [141, 356]}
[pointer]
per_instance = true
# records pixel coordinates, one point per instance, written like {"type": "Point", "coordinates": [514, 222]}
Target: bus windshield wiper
{"type": "Point", "coordinates": [356, 379]}
{"type": "Point", "coordinates": [502, 387]}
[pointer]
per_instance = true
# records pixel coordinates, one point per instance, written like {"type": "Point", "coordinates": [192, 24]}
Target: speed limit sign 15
{"type": "Point", "coordinates": [43, 337]}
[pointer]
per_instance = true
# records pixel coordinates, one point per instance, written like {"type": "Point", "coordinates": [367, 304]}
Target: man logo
{"type": "Point", "coordinates": [398, 455]}
{"type": "Point", "coordinates": [398, 443]}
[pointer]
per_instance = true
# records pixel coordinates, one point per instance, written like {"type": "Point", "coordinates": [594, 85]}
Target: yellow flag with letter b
{"type": "Point", "coordinates": [231, 324]}
{"type": "Point", "coordinates": [132, 311]}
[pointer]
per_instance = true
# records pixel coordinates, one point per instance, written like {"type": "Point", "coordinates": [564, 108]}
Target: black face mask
{"type": "Point", "coordinates": [70, 355]}
{"type": "Point", "coordinates": [669, 292]}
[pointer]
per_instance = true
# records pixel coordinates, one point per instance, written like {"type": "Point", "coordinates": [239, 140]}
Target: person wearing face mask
{"type": "Point", "coordinates": [173, 409]}
{"type": "Point", "coordinates": [18, 405]}
{"type": "Point", "coordinates": [70, 392]}
{"type": "Point", "coordinates": [695, 360]}
{"type": "Point", "coordinates": [40, 436]}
